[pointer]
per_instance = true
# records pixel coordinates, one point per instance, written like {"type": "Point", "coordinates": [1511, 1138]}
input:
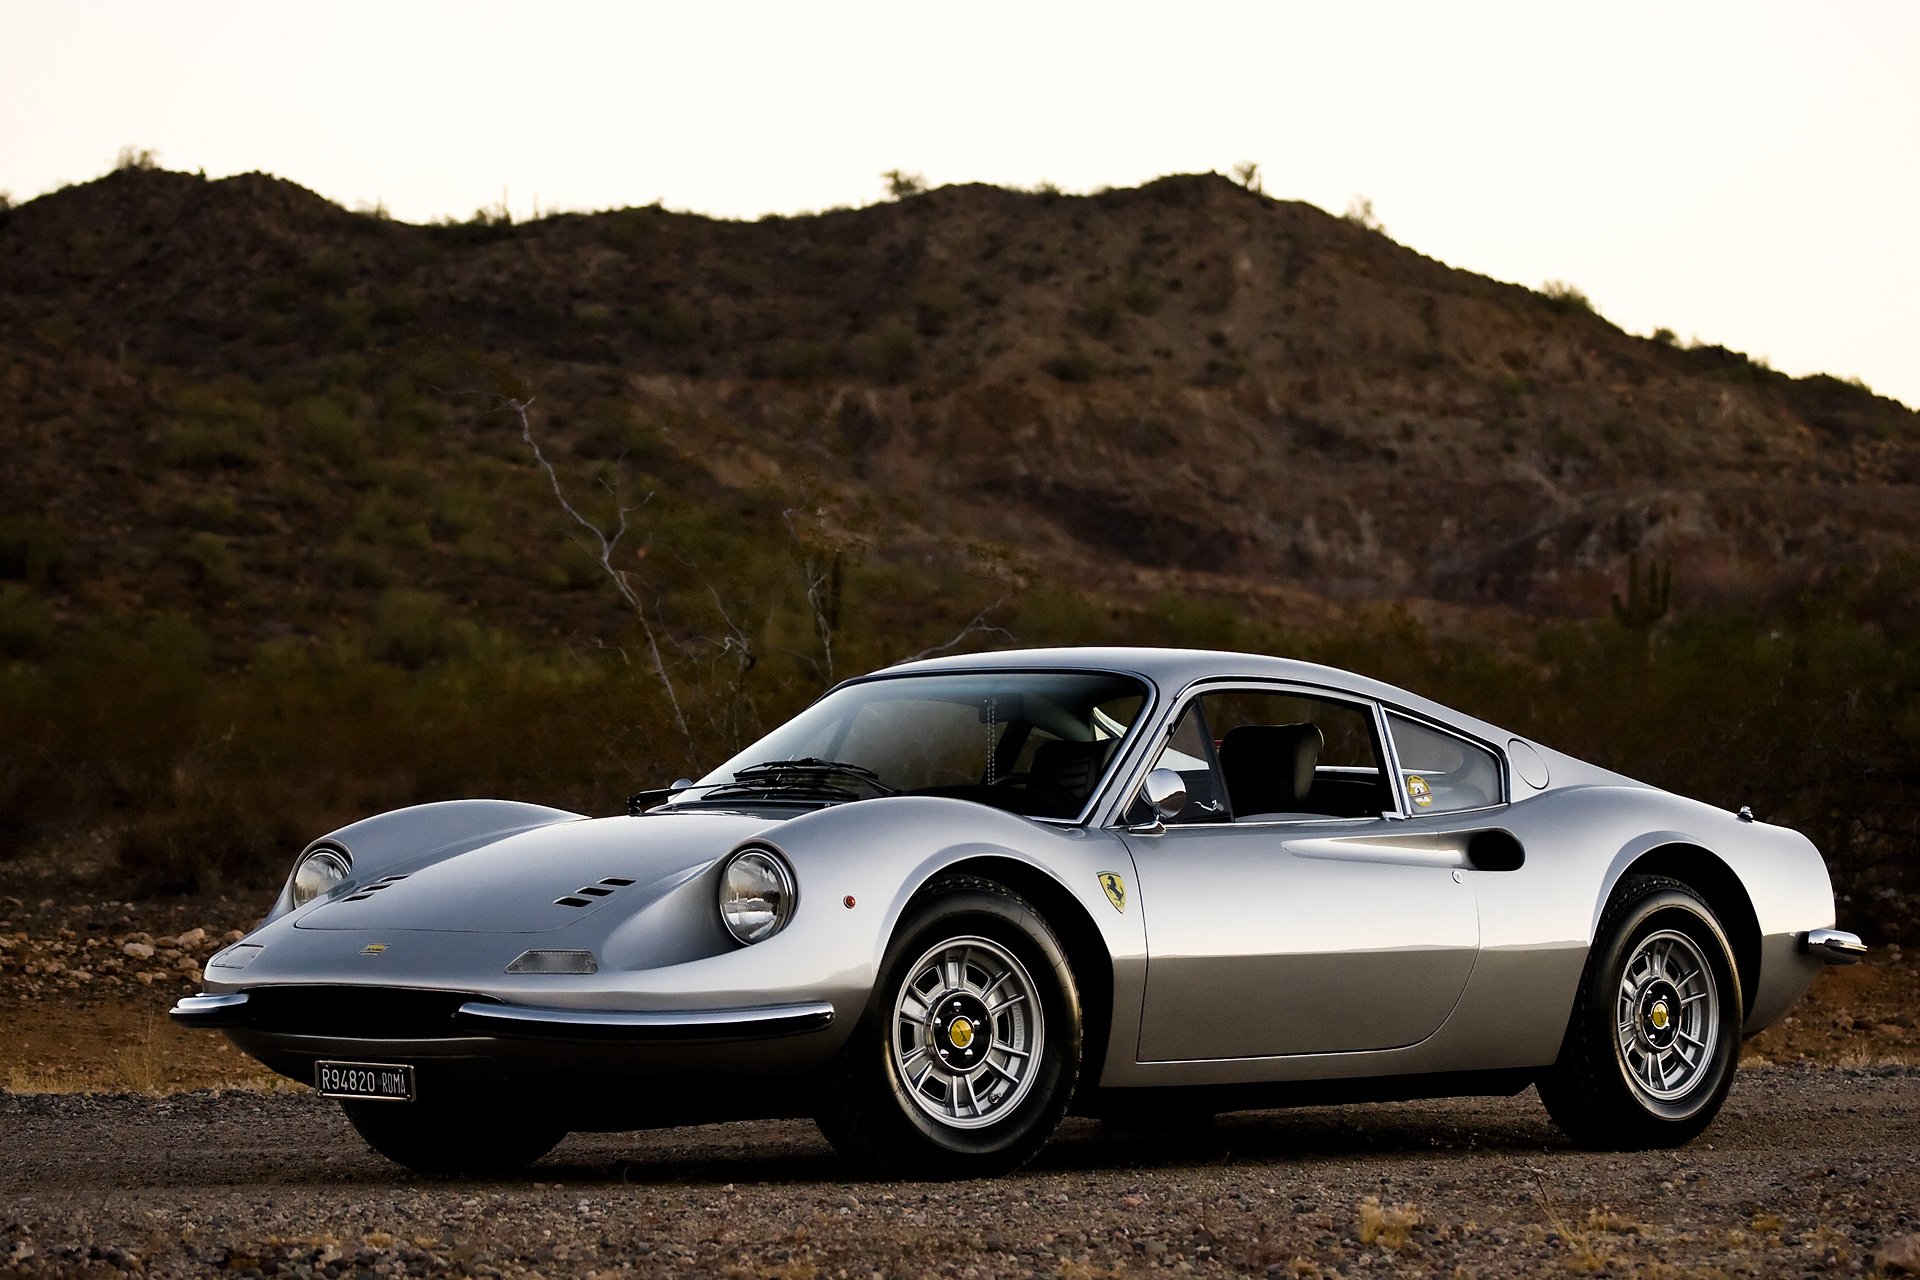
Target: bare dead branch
{"type": "Point", "coordinates": [977, 625]}
{"type": "Point", "coordinates": [821, 574]}
{"type": "Point", "coordinates": [606, 542]}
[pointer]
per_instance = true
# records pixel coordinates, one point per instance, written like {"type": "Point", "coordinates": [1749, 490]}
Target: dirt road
{"type": "Point", "coordinates": [1810, 1170]}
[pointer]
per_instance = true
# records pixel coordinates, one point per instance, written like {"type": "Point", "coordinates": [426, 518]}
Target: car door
{"type": "Point", "coordinates": [1287, 909]}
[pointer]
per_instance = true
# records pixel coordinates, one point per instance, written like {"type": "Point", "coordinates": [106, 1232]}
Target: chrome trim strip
{"type": "Point", "coordinates": [647, 1024]}
{"type": "Point", "coordinates": [1835, 946]}
{"type": "Point", "coordinates": [206, 1010]}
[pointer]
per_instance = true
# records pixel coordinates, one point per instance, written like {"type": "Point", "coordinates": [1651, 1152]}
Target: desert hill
{"type": "Point", "coordinates": [273, 551]}
{"type": "Point", "coordinates": [1187, 379]}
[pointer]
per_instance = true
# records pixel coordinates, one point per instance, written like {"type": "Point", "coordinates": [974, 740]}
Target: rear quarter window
{"type": "Point", "coordinates": [1440, 773]}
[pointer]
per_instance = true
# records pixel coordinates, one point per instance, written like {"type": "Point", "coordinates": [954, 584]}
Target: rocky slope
{"type": "Point", "coordinates": [1185, 385]}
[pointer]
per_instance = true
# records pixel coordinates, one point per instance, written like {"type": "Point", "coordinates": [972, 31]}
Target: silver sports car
{"type": "Point", "coordinates": [951, 900]}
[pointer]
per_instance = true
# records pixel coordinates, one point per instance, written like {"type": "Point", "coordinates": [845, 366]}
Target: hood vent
{"type": "Point", "coordinates": [375, 887]}
{"type": "Point", "coordinates": [584, 896]}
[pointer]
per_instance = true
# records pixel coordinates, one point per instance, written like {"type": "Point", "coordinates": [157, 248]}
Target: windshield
{"type": "Point", "coordinates": [1035, 743]}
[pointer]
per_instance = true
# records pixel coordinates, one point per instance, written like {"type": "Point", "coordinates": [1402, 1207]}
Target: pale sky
{"type": "Point", "coordinates": [1745, 173]}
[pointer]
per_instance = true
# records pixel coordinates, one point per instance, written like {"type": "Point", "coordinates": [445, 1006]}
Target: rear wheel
{"type": "Point", "coordinates": [969, 1052]}
{"type": "Point", "coordinates": [1655, 1034]}
{"type": "Point", "coordinates": [449, 1138]}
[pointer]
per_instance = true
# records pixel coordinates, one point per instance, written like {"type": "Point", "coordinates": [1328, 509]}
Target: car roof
{"type": "Point", "coordinates": [1174, 669]}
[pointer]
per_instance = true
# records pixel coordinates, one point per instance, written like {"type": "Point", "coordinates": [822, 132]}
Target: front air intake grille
{"type": "Point", "coordinates": [371, 1013]}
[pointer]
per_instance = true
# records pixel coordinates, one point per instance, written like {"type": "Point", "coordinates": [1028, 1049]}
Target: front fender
{"type": "Point", "coordinates": [422, 834]}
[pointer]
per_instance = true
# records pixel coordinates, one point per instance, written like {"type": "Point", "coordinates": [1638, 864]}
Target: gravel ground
{"type": "Point", "coordinates": [1811, 1170]}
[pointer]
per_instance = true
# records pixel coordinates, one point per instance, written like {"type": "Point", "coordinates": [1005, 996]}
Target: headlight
{"type": "Point", "coordinates": [756, 895]}
{"type": "Point", "coordinates": [318, 872]}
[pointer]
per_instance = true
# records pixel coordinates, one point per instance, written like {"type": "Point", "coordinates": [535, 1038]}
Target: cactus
{"type": "Point", "coordinates": [1644, 606]}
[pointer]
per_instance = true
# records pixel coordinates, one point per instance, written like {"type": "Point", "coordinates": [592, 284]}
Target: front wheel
{"type": "Point", "coordinates": [970, 1049]}
{"type": "Point", "coordinates": [1655, 1034]}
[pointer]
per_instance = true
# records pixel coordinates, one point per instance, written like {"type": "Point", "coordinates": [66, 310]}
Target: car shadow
{"type": "Point", "coordinates": [792, 1152]}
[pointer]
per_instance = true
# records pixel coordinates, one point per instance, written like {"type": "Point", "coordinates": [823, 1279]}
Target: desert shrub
{"type": "Point", "coordinates": [394, 306]}
{"type": "Point", "coordinates": [1074, 365]}
{"type": "Point", "coordinates": [630, 230]}
{"type": "Point", "coordinates": [802, 360]}
{"type": "Point", "coordinates": [390, 519]}
{"type": "Point", "coordinates": [456, 511]}
{"type": "Point", "coordinates": [278, 294]}
{"type": "Point", "coordinates": [33, 550]}
{"type": "Point", "coordinates": [669, 322]}
{"type": "Point", "coordinates": [405, 414]}
{"type": "Point", "coordinates": [355, 564]}
{"type": "Point", "coordinates": [330, 430]}
{"type": "Point", "coordinates": [326, 268]}
{"type": "Point", "coordinates": [615, 431]}
{"type": "Point", "coordinates": [350, 320]}
{"type": "Point", "coordinates": [934, 307]}
{"type": "Point", "coordinates": [901, 184]}
{"type": "Point", "coordinates": [211, 566]}
{"type": "Point", "coordinates": [889, 352]}
{"type": "Point", "coordinates": [1360, 213]}
{"type": "Point", "coordinates": [217, 426]}
{"type": "Point", "coordinates": [1566, 298]}
{"type": "Point", "coordinates": [1141, 295]}
{"type": "Point", "coordinates": [1101, 314]}
{"type": "Point", "coordinates": [26, 623]}
{"type": "Point", "coordinates": [347, 370]}
{"type": "Point", "coordinates": [412, 628]}
{"type": "Point", "coordinates": [207, 842]}
{"type": "Point", "coordinates": [211, 446]}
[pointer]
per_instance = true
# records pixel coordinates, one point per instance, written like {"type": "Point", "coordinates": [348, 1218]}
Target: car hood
{"type": "Point", "coordinates": [543, 879]}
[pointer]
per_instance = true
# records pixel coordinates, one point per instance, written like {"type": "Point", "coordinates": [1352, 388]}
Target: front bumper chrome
{"type": "Point", "coordinates": [1835, 946]}
{"type": "Point", "coordinates": [676, 1025]}
{"type": "Point", "coordinates": [211, 1011]}
{"type": "Point", "coordinates": [488, 1018]}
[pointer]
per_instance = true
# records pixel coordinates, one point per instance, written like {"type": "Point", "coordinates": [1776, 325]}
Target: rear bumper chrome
{"type": "Point", "coordinates": [1835, 946]}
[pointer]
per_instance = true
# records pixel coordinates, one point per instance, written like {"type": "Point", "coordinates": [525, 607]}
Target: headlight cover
{"type": "Point", "coordinates": [318, 872]}
{"type": "Point", "coordinates": [756, 895]}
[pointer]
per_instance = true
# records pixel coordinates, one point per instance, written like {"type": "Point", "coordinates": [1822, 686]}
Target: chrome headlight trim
{"type": "Point", "coordinates": [756, 894]}
{"type": "Point", "coordinates": [317, 873]}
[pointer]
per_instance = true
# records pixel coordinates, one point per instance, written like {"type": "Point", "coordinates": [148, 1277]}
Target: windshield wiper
{"type": "Point", "coordinates": [809, 771]}
{"type": "Point", "coordinates": [807, 778]}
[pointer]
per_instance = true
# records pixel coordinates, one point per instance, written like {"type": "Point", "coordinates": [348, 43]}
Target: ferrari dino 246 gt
{"type": "Point", "coordinates": [953, 899]}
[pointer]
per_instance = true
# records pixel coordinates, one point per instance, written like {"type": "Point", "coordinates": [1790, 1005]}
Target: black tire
{"type": "Point", "coordinates": [1654, 1038]}
{"type": "Point", "coordinates": [448, 1139]}
{"type": "Point", "coordinates": [930, 1048]}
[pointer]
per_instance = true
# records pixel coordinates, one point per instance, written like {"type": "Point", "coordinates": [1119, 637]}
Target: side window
{"type": "Point", "coordinates": [1441, 773]}
{"type": "Point", "coordinates": [1290, 757]}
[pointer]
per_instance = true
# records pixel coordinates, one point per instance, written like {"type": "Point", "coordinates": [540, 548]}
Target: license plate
{"type": "Point", "coordinates": [378, 1081]}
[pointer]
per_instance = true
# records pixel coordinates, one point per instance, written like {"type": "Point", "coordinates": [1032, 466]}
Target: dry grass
{"type": "Point", "coordinates": [1389, 1226]}
{"type": "Point", "coordinates": [141, 1061]}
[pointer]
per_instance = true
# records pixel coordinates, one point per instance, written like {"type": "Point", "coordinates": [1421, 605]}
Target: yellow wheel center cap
{"type": "Point", "coordinates": [960, 1032]}
{"type": "Point", "coordinates": [1659, 1016]}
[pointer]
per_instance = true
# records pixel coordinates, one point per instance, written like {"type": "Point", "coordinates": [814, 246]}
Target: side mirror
{"type": "Point", "coordinates": [1165, 792]}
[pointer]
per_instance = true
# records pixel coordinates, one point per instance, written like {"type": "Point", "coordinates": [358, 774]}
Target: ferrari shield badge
{"type": "Point", "coordinates": [1116, 889]}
